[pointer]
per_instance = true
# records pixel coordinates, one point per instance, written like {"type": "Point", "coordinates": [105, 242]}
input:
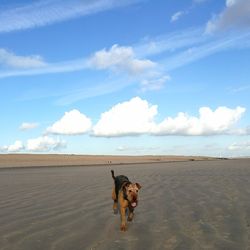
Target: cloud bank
{"type": "Point", "coordinates": [137, 116]}
{"type": "Point", "coordinates": [133, 118]}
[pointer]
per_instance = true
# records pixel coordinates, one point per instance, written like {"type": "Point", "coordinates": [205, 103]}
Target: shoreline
{"type": "Point", "coordinates": [69, 160]}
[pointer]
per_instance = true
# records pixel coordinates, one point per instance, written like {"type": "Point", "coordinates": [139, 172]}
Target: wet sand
{"type": "Point", "coordinates": [183, 205]}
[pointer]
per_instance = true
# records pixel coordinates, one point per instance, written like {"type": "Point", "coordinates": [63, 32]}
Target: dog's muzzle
{"type": "Point", "coordinates": [133, 204]}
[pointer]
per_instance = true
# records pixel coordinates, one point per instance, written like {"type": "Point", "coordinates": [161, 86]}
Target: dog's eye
{"type": "Point", "coordinates": [129, 191]}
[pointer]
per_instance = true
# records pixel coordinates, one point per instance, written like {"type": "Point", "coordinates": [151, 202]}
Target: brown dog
{"type": "Point", "coordinates": [126, 193]}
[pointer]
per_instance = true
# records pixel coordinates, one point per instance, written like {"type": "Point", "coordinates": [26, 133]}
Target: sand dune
{"type": "Point", "coordinates": [183, 205]}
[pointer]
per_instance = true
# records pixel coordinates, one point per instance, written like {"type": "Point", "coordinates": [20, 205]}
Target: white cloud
{"type": "Point", "coordinates": [9, 59]}
{"type": "Point", "coordinates": [28, 126]}
{"type": "Point", "coordinates": [241, 146]}
{"type": "Point", "coordinates": [49, 68]}
{"type": "Point", "coordinates": [230, 2]}
{"type": "Point", "coordinates": [17, 146]}
{"type": "Point", "coordinates": [176, 16]}
{"type": "Point", "coordinates": [42, 13]}
{"type": "Point", "coordinates": [72, 123]}
{"type": "Point", "coordinates": [136, 149]}
{"type": "Point", "coordinates": [239, 88]}
{"type": "Point", "coordinates": [234, 16]}
{"type": "Point", "coordinates": [154, 83]}
{"type": "Point", "coordinates": [44, 144]}
{"type": "Point", "coordinates": [40, 144]}
{"type": "Point", "coordinates": [173, 51]}
{"type": "Point", "coordinates": [137, 116]}
{"type": "Point", "coordinates": [133, 117]}
{"type": "Point", "coordinates": [14, 148]}
{"type": "Point", "coordinates": [209, 48]}
{"type": "Point", "coordinates": [123, 60]}
{"type": "Point", "coordinates": [120, 59]}
{"type": "Point", "coordinates": [170, 43]}
{"type": "Point", "coordinates": [220, 121]}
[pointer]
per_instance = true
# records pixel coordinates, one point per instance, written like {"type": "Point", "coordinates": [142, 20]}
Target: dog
{"type": "Point", "coordinates": [126, 193]}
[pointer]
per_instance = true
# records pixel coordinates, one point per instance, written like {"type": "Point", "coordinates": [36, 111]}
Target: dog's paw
{"type": "Point", "coordinates": [130, 217]}
{"type": "Point", "coordinates": [123, 228]}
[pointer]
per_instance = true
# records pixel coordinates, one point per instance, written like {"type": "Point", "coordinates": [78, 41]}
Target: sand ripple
{"type": "Point", "coordinates": [185, 205]}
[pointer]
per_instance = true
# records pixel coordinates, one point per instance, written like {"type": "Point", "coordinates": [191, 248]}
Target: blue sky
{"type": "Point", "coordinates": [127, 77]}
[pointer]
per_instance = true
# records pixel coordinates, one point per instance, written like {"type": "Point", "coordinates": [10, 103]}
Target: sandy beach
{"type": "Point", "coordinates": [59, 160]}
{"type": "Point", "coordinates": [183, 205]}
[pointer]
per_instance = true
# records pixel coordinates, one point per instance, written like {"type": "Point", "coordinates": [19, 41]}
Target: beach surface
{"type": "Point", "coordinates": [182, 205]}
{"type": "Point", "coordinates": [46, 160]}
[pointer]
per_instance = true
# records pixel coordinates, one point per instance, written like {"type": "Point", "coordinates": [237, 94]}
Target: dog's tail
{"type": "Point", "coordinates": [113, 174]}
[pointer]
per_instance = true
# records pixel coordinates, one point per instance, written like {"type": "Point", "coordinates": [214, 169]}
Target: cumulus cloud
{"type": "Point", "coordinates": [137, 117]}
{"type": "Point", "coordinates": [9, 59]}
{"type": "Point", "coordinates": [119, 58]}
{"type": "Point", "coordinates": [128, 118]}
{"type": "Point", "coordinates": [28, 126]}
{"type": "Point", "coordinates": [14, 148]}
{"type": "Point", "coordinates": [209, 122]}
{"type": "Point", "coordinates": [72, 123]}
{"type": "Point", "coordinates": [122, 59]}
{"type": "Point", "coordinates": [40, 144]}
{"type": "Point", "coordinates": [45, 144]}
{"type": "Point", "coordinates": [234, 16]}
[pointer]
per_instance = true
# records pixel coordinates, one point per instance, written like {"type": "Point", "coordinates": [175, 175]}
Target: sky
{"type": "Point", "coordinates": [127, 77]}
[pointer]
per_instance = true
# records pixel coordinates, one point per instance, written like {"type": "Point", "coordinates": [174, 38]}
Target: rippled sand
{"type": "Point", "coordinates": [183, 205]}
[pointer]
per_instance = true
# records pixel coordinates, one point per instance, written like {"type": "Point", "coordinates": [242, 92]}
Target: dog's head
{"type": "Point", "coordinates": [131, 190]}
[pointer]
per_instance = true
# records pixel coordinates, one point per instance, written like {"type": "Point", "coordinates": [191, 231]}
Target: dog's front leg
{"type": "Point", "coordinates": [123, 218]}
{"type": "Point", "coordinates": [130, 214]}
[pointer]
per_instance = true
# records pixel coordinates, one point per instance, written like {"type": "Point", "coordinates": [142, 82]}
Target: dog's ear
{"type": "Point", "coordinates": [125, 186]}
{"type": "Point", "coordinates": [138, 185]}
